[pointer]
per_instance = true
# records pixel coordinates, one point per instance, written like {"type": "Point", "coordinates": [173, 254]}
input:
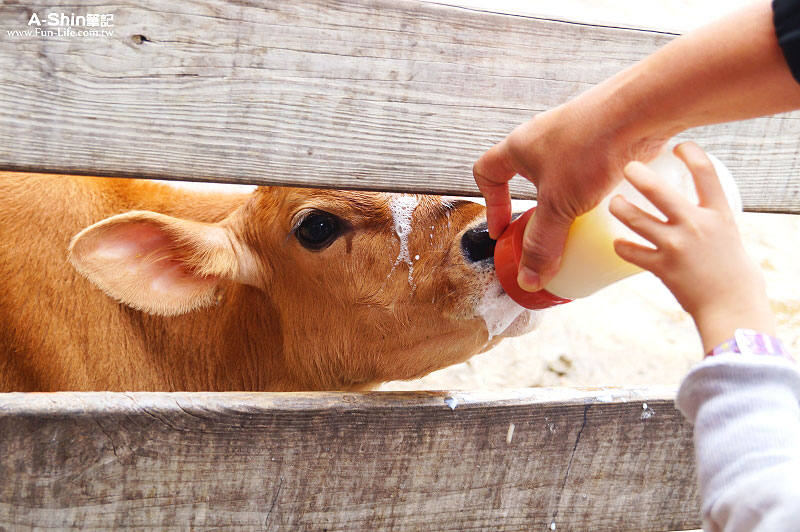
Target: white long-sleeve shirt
{"type": "Point", "coordinates": [746, 415]}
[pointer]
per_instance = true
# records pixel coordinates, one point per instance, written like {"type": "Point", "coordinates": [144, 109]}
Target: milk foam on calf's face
{"type": "Point", "coordinates": [503, 316]}
{"type": "Point", "coordinates": [402, 207]}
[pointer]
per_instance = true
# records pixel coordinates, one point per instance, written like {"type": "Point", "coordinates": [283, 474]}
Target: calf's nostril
{"type": "Point", "coordinates": [477, 245]}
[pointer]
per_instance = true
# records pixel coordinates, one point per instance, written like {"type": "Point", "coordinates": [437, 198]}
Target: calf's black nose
{"type": "Point", "coordinates": [477, 245]}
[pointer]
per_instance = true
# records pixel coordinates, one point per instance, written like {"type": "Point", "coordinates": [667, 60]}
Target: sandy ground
{"type": "Point", "coordinates": [632, 333]}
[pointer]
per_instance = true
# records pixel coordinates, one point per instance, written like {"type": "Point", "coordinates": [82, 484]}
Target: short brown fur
{"type": "Point", "coordinates": [343, 318]}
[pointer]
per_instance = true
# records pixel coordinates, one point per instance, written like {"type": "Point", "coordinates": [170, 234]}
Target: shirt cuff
{"type": "Point", "coordinates": [729, 372]}
{"type": "Point", "coordinates": [786, 17]}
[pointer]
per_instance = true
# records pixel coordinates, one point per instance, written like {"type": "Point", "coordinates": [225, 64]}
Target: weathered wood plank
{"type": "Point", "coordinates": [360, 94]}
{"type": "Point", "coordinates": [586, 460]}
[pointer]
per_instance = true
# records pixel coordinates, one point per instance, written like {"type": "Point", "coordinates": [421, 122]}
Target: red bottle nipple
{"type": "Point", "coordinates": [507, 254]}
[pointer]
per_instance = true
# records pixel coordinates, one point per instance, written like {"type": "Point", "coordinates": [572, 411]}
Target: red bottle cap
{"type": "Point", "coordinates": [507, 254]}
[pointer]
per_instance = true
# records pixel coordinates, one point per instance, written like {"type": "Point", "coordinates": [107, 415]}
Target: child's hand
{"type": "Point", "coordinates": [699, 255]}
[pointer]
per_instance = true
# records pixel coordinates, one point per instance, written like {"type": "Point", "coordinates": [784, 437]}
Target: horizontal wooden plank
{"type": "Point", "coordinates": [599, 460]}
{"type": "Point", "coordinates": [354, 94]}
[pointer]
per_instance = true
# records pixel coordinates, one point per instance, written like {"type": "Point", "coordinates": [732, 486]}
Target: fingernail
{"type": "Point", "coordinates": [528, 279]}
{"type": "Point", "coordinates": [495, 230]}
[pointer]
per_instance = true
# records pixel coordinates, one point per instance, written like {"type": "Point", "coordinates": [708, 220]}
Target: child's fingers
{"type": "Point", "coordinates": [665, 198]}
{"type": "Point", "coordinates": [709, 189]}
{"type": "Point", "coordinates": [638, 255]}
{"type": "Point", "coordinates": [643, 224]}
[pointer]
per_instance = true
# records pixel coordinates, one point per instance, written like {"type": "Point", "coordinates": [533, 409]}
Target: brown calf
{"type": "Point", "coordinates": [281, 289]}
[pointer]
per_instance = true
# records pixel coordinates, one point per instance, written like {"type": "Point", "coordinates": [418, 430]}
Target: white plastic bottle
{"type": "Point", "coordinates": [589, 261]}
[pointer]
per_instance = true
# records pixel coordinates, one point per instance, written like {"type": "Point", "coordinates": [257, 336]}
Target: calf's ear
{"type": "Point", "coordinates": [160, 264]}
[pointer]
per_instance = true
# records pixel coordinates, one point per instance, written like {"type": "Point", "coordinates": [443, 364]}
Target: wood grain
{"type": "Point", "coordinates": [586, 460]}
{"type": "Point", "coordinates": [354, 94]}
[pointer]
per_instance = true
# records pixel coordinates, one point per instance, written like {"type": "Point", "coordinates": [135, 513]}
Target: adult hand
{"type": "Point", "coordinates": [732, 69]}
{"type": "Point", "coordinates": [574, 158]}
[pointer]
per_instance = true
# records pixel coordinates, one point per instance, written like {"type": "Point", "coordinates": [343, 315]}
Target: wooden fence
{"type": "Point", "coordinates": [393, 95]}
{"type": "Point", "coordinates": [601, 460]}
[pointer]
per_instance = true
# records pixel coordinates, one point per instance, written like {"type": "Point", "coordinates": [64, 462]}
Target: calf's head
{"type": "Point", "coordinates": [367, 287]}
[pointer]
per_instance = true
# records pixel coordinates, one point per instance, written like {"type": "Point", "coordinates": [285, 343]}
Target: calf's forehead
{"type": "Point", "coordinates": [369, 208]}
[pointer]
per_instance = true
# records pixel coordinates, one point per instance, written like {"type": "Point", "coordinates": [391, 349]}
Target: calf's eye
{"type": "Point", "coordinates": [317, 230]}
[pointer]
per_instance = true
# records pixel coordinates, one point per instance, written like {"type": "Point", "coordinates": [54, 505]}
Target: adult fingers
{"type": "Point", "coordinates": [640, 222]}
{"type": "Point", "coordinates": [664, 197]}
{"type": "Point", "coordinates": [492, 173]}
{"type": "Point", "coordinates": [542, 246]}
{"type": "Point", "coordinates": [709, 189]}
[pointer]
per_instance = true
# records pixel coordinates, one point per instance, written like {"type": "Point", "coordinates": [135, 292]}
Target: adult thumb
{"type": "Point", "coordinates": [542, 246]}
